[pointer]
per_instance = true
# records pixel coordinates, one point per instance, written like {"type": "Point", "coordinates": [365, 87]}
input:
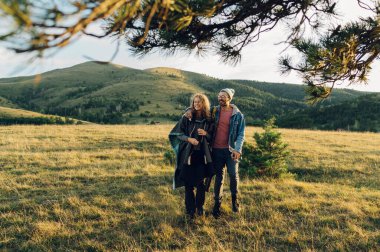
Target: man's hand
{"type": "Point", "coordinates": [202, 132]}
{"type": "Point", "coordinates": [235, 155]}
{"type": "Point", "coordinates": [193, 141]}
{"type": "Point", "coordinates": [188, 114]}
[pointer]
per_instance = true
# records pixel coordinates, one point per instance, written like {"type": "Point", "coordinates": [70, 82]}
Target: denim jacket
{"type": "Point", "coordinates": [237, 127]}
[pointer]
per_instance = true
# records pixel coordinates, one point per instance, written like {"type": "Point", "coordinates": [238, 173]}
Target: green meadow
{"type": "Point", "coordinates": [108, 188]}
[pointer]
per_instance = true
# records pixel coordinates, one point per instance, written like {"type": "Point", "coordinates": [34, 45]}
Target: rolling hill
{"type": "Point", "coordinates": [98, 93]}
{"type": "Point", "coordinates": [109, 93]}
{"type": "Point", "coordinates": [20, 116]}
{"type": "Point", "coordinates": [6, 103]}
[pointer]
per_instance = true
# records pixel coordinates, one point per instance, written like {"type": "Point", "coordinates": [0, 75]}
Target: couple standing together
{"type": "Point", "coordinates": [206, 140]}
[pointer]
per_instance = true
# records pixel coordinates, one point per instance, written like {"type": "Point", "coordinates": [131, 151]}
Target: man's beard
{"type": "Point", "coordinates": [222, 103]}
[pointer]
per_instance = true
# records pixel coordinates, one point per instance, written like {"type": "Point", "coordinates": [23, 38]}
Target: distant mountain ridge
{"type": "Point", "coordinates": [107, 93]}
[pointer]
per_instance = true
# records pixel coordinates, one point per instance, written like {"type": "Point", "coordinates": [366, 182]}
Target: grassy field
{"type": "Point", "coordinates": [98, 188]}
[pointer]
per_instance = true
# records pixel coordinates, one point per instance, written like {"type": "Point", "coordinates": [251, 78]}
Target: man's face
{"type": "Point", "coordinates": [223, 99]}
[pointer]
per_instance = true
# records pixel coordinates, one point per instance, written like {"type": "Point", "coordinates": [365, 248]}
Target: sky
{"type": "Point", "coordinates": [259, 60]}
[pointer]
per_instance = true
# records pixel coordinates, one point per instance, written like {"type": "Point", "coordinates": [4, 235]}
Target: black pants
{"type": "Point", "coordinates": [194, 201]}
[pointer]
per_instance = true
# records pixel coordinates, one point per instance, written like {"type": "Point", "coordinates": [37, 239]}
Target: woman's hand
{"type": "Point", "coordinates": [193, 141]}
{"type": "Point", "coordinates": [202, 132]}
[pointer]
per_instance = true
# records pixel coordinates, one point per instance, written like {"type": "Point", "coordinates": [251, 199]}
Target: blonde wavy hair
{"type": "Point", "coordinates": [205, 104]}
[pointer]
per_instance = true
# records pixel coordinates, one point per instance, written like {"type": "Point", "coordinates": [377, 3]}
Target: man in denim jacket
{"type": "Point", "coordinates": [227, 147]}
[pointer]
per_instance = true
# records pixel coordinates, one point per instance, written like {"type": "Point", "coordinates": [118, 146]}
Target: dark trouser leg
{"type": "Point", "coordinates": [233, 172]}
{"type": "Point", "coordinates": [200, 197]}
{"type": "Point", "coordinates": [219, 160]}
{"type": "Point", "coordinates": [189, 199]}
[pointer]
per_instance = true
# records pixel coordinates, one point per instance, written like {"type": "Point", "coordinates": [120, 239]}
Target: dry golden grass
{"type": "Point", "coordinates": [101, 188]}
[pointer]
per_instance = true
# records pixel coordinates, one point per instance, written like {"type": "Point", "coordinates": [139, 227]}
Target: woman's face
{"type": "Point", "coordinates": [197, 103]}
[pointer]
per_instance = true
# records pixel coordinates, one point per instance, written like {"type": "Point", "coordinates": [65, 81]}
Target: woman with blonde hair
{"type": "Point", "coordinates": [190, 139]}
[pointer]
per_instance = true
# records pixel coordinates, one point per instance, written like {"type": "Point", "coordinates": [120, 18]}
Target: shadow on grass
{"type": "Point", "coordinates": [140, 210]}
{"type": "Point", "coordinates": [143, 213]}
{"type": "Point", "coordinates": [140, 145]}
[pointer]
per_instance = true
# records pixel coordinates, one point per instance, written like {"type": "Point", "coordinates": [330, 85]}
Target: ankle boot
{"type": "Point", "coordinates": [216, 210]}
{"type": "Point", "coordinates": [190, 215]}
{"type": "Point", "coordinates": [200, 211]}
{"type": "Point", "coordinates": [235, 204]}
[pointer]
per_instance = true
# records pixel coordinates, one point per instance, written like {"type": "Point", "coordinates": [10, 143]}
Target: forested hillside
{"type": "Point", "coordinates": [360, 114]}
{"type": "Point", "coordinates": [107, 93]}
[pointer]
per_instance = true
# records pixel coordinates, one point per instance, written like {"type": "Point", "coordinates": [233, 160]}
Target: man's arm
{"type": "Point", "coordinates": [188, 113]}
{"type": "Point", "coordinates": [240, 135]}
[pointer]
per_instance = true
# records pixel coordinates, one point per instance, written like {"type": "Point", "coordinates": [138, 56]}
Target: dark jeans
{"type": "Point", "coordinates": [194, 201]}
{"type": "Point", "coordinates": [221, 158]}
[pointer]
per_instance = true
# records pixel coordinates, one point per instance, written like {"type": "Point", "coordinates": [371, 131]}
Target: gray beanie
{"type": "Point", "coordinates": [229, 91]}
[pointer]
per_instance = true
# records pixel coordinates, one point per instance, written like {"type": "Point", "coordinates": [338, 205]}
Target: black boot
{"type": "Point", "coordinates": [200, 211]}
{"type": "Point", "coordinates": [190, 216]}
{"type": "Point", "coordinates": [235, 204]}
{"type": "Point", "coordinates": [190, 201]}
{"type": "Point", "coordinates": [216, 210]}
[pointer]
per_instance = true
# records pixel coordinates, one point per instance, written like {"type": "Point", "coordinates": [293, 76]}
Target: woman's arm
{"type": "Point", "coordinates": [183, 129]}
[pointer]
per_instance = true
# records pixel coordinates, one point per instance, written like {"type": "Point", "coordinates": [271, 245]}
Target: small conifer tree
{"type": "Point", "coordinates": [269, 157]}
